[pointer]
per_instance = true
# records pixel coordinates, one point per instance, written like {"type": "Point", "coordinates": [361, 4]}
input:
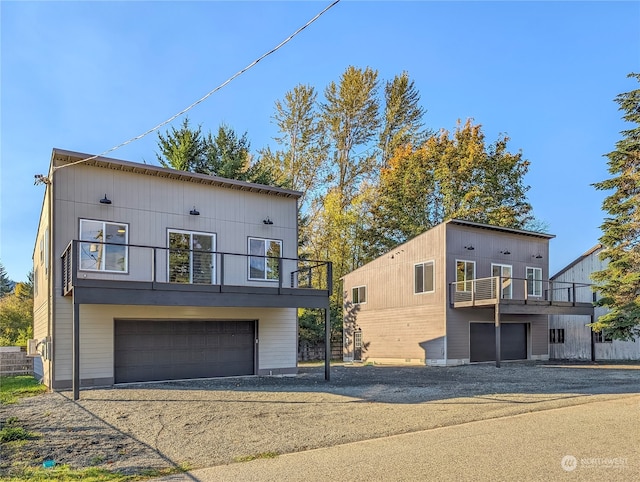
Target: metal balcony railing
{"type": "Point", "coordinates": [485, 291]}
{"type": "Point", "coordinates": [130, 262]}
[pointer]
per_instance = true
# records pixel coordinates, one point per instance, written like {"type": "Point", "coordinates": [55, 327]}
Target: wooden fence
{"type": "Point", "coordinates": [15, 362]}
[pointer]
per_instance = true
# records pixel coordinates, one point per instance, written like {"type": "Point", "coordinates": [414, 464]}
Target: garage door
{"type": "Point", "coordinates": [513, 341]}
{"type": "Point", "coordinates": [148, 350]}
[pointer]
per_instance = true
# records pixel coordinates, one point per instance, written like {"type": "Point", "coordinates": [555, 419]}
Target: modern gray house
{"type": "Point", "coordinates": [569, 336]}
{"type": "Point", "coordinates": [459, 293]}
{"type": "Point", "coordinates": [144, 273]}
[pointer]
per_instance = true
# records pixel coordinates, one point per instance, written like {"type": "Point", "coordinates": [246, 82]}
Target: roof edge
{"type": "Point", "coordinates": [231, 183]}
{"type": "Point", "coordinates": [588, 253]}
{"type": "Point", "coordinates": [492, 227]}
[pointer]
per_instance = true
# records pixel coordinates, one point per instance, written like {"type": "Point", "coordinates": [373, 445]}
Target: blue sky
{"type": "Point", "coordinates": [86, 76]}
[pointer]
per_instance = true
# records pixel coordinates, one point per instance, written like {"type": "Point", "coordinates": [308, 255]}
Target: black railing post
{"type": "Point", "coordinates": [330, 277]}
{"type": "Point", "coordinates": [550, 292]}
{"type": "Point", "coordinates": [574, 299]}
{"type": "Point", "coordinates": [221, 269]}
{"type": "Point", "coordinates": [280, 273]}
{"type": "Point", "coordinates": [154, 272]}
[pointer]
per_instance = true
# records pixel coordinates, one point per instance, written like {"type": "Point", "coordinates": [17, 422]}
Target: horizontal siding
{"type": "Point", "coordinates": [277, 329]}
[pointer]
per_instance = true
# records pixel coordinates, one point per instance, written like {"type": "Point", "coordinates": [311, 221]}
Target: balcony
{"type": "Point", "coordinates": [523, 296]}
{"type": "Point", "coordinates": [110, 273]}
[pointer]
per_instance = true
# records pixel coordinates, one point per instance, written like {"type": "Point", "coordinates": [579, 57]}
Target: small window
{"type": "Point", "coordinates": [556, 335]}
{"type": "Point", "coordinates": [534, 281]}
{"type": "Point", "coordinates": [424, 278]}
{"type": "Point", "coordinates": [105, 247]}
{"type": "Point", "coordinates": [263, 264]}
{"type": "Point", "coordinates": [359, 295]}
{"type": "Point", "coordinates": [603, 337]}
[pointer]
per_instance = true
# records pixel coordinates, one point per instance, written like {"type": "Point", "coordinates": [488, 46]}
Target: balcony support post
{"type": "Point", "coordinates": [497, 323]}
{"type": "Point", "coordinates": [76, 348]}
{"type": "Point", "coordinates": [327, 343]}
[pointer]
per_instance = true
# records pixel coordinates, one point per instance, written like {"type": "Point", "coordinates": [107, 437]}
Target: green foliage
{"type": "Point", "coordinates": [183, 149]}
{"type": "Point", "coordinates": [225, 155]}
{"type": "Point", "coordinates": [16, 316]}
{"type": "Point", "coordinates": [456, 176]}
{"type": "Point", "coordinates": [402, 117]}
{"type": "Point", "coordinates": [10, 433]}
{"type": "Point", "coordinates": [64, 473]}
{"type": "Point", "coordinates": [619, 282]}
{"type": "Point", "coordinates": [16, 387]}
{"type": "Point", "coordinates": [5, 283]}
{"type": "Point", "coordinates": [300, 161]}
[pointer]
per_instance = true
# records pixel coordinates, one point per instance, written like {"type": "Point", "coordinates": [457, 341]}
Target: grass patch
{"type": "Point", "coordinates": [14, 388]}
{"type": "Point", "coordinates": [12, 432]}
{"type": "Point", "coordinates": [263, 455]}
{"type": "Point", "coordinates": [65, 473]}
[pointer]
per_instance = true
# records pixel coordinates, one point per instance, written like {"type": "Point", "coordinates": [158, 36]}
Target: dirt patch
{"type": "Point", "coordinates": [211, 422]}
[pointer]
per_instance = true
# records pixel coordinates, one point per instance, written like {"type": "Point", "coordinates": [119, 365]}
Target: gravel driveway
{"type": "Point", "coordinates": [220, 421]}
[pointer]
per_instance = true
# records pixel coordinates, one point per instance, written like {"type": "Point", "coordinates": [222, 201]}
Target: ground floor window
{"type": "Point", "coordinates": [603, 337]}
{"type": "Point", "coordinates": [556, 335]}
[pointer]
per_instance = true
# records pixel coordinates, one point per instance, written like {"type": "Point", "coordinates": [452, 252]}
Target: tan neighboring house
{"type": "Point", "coordinates": [569, 336]}
{"type": "Point", "coordinates": [454, 295]}
{"type": "Point", "coordinates": [144, 273]}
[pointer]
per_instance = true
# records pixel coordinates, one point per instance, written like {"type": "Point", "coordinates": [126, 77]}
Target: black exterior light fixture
{"type": "Point", "coordinates": [506, 251]}
{"type": "Point", "coordinates": [105, 200]}
{"type": "Point", "coordinates": [267, 221]}
{"type": "Point", "coordinates": [194, 212]}
{"type": "Point", "coordinates": [470, 247]}
{"type": "Point", "coordinates": [537, 256]}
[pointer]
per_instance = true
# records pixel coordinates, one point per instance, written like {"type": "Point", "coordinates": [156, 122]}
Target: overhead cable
{"type": "Point", "coordinates": [206, 96]}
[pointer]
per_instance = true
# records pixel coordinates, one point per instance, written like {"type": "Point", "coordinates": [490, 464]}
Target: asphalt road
{"type": "Point", "coordinates": [593, 441]}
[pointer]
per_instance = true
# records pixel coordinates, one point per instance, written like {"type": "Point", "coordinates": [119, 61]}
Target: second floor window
{"type": "Point", "coordinates": [104, 246]}
{"type": "Point", "coordinates": [263, 262]}
{"type": "Point", "coordinates": [424, 278]}
{"type": "Point", "coordinates": [191, 257]}
{"type": "Point", "coordinates": [465, 271]}
{"type": "Point", "coordinates": [534, 281]}
{"type": "Point", "coordinates": [359, 295]}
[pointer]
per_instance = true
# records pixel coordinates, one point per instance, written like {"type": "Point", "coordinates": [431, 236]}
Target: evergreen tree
{"type": "Point", "coordinates": [619, 282]}
{"type": "Point", "coordinates": [5, 282]}
{"type": "Point", "coordinates": [183, 149]}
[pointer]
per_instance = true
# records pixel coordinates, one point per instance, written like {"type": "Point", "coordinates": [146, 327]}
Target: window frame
{"type": "Point", "coordinates": [556, 336]}
{"type": "Point", "coordinates": [191, 252]}
{"type": "Point", "coordinates": [102, 243]}
{"type": "Point", "coordinates": [534, 283]}
{"type": "Point", "coordinates": [356, 290]}
{"type": "Point", "coordinates": [503, 278]}
{"type": "Point", "coordinates": [602, 337]}
{"type": "Point", "coordinates": [423, 264]}
{"type": "Point", "coordinates": [465, 282]}
{"type": "Point", "coordinates": [265, 258]}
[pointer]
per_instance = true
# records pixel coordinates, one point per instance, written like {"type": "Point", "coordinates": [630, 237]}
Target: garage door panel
{"type": "Point", "coordinates": [147, 350]}
{"type": "Point", "coordinates": [482, 341]}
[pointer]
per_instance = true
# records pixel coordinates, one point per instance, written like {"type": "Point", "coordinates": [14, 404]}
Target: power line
{"type": "Point", "coordinates": [203, 98]}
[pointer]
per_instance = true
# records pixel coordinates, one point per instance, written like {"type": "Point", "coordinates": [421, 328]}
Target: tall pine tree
{"type": "Point", "coordinates": [619, 282]}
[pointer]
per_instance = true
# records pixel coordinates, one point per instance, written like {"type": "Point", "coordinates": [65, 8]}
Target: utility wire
{"type": "Point", "coordinates": [207, 95]}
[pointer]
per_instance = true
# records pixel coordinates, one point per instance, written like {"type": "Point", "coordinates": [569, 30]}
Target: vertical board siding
{"type": "Point", "coordinates": [398, 324]}
{"type": "Point", "coordinates": [152, 205]}
{"type": "Point", "coordinates": [487, 246]}
{"type": "Point", "coordinates": [577, 336]}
